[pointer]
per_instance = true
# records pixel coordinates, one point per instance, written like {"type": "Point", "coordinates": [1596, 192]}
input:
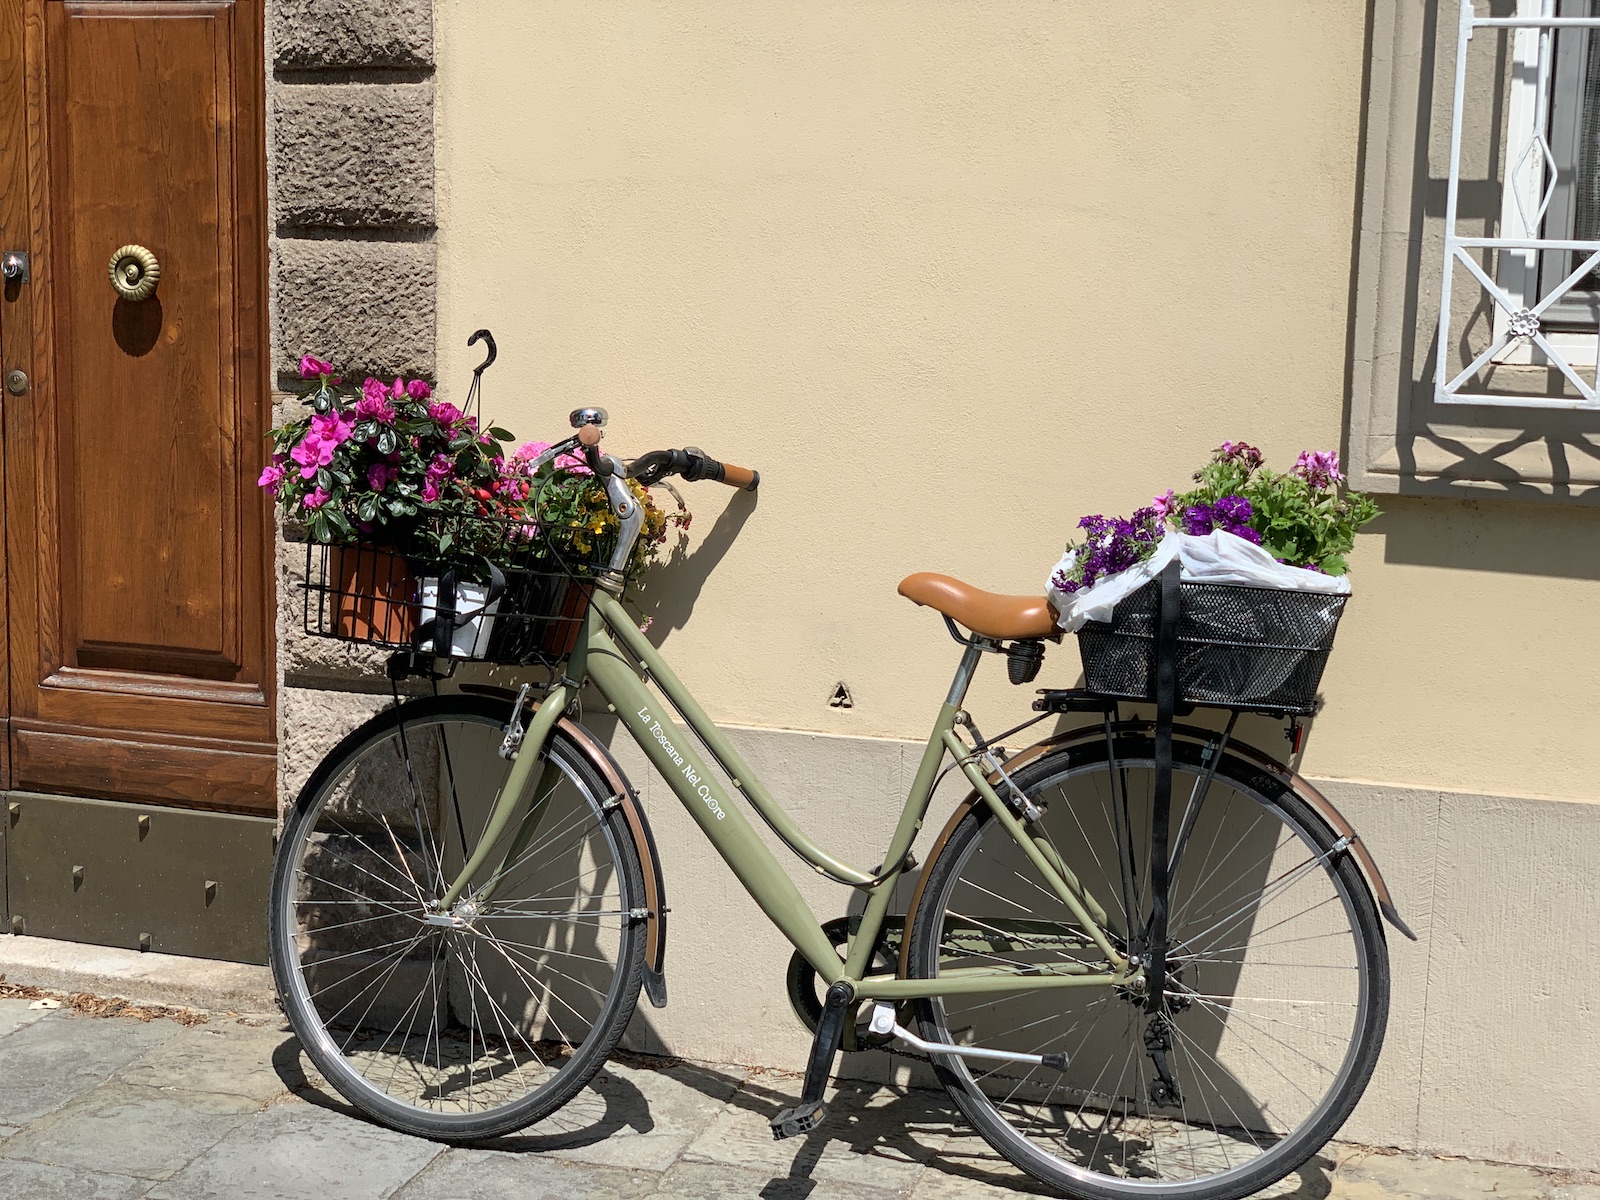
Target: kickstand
{"type": "Point", "coordinates": [809, 1113]}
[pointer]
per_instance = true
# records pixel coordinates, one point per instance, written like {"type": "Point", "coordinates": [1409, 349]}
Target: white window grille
{"type": "Point", "coordinates": [1542, 271]}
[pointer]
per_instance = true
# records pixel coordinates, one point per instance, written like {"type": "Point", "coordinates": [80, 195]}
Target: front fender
{"type": "Point", "coordinates": [644, 842]}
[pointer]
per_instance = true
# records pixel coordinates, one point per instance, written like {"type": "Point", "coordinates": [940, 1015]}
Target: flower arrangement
{"type": "Point", "coordinates": [568, 506]}
{"type": "Point", "coordinates": [368, 464]}
{"type": "Point", "coordinates": [1300, 517]}
{"type": "Point", "coordinates": [388, 465]}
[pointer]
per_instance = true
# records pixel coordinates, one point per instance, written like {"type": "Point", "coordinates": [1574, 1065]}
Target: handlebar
{"type": "Point", "coordinates": [693, 465]}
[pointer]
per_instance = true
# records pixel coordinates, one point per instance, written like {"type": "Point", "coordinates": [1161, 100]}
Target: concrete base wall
{"type": "Point", "coordinates": [1494, 1000]}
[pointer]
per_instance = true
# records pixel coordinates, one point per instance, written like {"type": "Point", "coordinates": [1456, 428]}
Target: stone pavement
{"type": "Point", "coordinates": [96, 1107]}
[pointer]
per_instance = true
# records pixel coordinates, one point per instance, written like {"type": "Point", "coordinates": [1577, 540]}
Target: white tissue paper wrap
{"type": "Point", "coordinates": [1216, 557]}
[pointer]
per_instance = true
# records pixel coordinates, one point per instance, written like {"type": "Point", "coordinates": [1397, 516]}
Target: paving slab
{"type": "Point", "coordinates": [301, 1151]}
{"type": "Point", "coordinates": [16, 1014]}
{"type": "Point", "coordinates": [871, 1137]}
{"type": "Point", "coordinates": [130, 1130]}
{"type": "Point", "coordinates": [223, 1057]}
{"type": "Point", "coordinates": [1373, 1175]}
{"type": "Point", "coordinates": [492, 1175]}
{"type": "Point", "coordinates": [710, 1181]}
{"type": "Point", "coordinates": [637, 1118]}
{"type": "Point", "coordinates": [49, 1062]}
{"type": "Point", "coordinates": [42, 1181]}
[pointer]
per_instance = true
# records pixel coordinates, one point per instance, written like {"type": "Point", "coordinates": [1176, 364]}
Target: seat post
{"type": "Point", "coordinates": [969, 664]}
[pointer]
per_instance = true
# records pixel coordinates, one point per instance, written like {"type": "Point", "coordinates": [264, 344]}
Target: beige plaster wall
{"type": "Point", "coordinates": [951, 275]}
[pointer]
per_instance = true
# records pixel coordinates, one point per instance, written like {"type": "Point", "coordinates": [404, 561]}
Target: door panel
{"type": "Point", "coordinates": [136, 99]}
{"type": "Point", "coordinates": [141, 665]}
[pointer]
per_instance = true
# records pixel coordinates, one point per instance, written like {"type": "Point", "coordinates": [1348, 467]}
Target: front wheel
{"type": "Point", "coordinates": [1277, 989]}
{"type": "Point", "coordinates": [472, 1020]}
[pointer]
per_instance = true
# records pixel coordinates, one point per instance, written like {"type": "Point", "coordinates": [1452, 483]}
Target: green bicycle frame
{"type": "Point", "coordinates": [606, 653]}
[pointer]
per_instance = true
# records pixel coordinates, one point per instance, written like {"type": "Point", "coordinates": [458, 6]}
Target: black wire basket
{"type": "Point", "coordinates": [1238, 646]}
{"type": "Point", "coordinates": [501, 595]}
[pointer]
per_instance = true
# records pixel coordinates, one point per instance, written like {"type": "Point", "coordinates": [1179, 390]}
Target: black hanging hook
{"type": "Point", "coordinates": [483, 335]}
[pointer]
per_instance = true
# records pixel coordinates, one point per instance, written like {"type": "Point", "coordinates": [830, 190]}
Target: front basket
{"type": "Point", "coordinates": [528, 609]}
{"type": "Point", "coordinates": [1238, 647]}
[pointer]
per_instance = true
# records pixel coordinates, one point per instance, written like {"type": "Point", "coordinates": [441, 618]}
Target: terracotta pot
{"type": "Point", "coordinates": [374, 597]}
{"type": "Point", "coordinates": [560, 636]}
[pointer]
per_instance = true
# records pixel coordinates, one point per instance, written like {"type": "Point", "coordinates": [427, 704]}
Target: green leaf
{"type": "Point", "coordinates": [324, 480]}
{"type": "Point", "coordinates": [445, 541]}
{"type": "Point", "coordinates": [1334, 564]}
{"type": "Point", "coordinates": [501, 435]}
{"type": "Point", "coordinates": [368, 509]}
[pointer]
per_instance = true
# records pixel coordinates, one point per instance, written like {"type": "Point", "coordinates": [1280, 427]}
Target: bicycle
{"type": "Point", "coordinates": [1143, 958]}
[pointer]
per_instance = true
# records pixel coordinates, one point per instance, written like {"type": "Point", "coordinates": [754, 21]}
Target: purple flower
{"type": "Point", "coordinates": [1198, 520]}
{"type": "Point", "coordinates": [311, 367]}
{"type": "Point", "coordinates": [1230, 514]}
{"type": "Point", "coordinates": [1112, 544]}
{"type": "Point", "coordinates": [1233, 510]}
{"type": "Point", "coordinates": [1319, 468]}
{"type": "Point", "coordinates": [316, 499]}
{"type": "Point", "coordinates": [418, 390]}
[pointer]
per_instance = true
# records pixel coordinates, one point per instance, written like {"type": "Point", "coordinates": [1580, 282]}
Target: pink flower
{"type": "Point", "coordinates": [430, 492]}
{"type": "Point", "coordinates": [418, 390]}
{"type": "Point", "coordinates": [1164, 504]}
{"type": "Point", "coordinates": [444, 412]}
{"type": "Point", "coordinates": [376, 408]}
{"type": "Point", "coordinates": [316, 499]}
{"type": "Point", "coordinates": [333, 427]}
{"type": "Point", "coordinates": [311, 367]}
{"type": "Point", "coordinates": [270, 479]}
{"type": "Point", "coordinates": [441, 467]}
{"type": "Point", "coordinates": [327, 433]}
{"type": "Point", "coordinates": [380, 475]}
{"type": "Point", "coordinates": [1319, 468]}
{"type": "Point", "coordinates": [311, 453]}
{"type": "Point", "coordinates": [528, 453]}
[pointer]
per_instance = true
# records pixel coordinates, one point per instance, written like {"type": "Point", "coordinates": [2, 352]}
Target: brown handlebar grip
{"type": "Point", "coordinates": [590, 435]}
{"type": "Point", "coordinates": [742, 478]}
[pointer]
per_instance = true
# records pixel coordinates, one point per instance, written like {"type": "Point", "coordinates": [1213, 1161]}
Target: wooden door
{"type": "Point", "coordinates": [137, 547]}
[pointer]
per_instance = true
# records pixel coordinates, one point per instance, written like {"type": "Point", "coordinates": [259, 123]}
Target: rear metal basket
{"type": "Point", "coordinates": [513, 602]}
{"type": "Point", "coordinates": [1238, 646]}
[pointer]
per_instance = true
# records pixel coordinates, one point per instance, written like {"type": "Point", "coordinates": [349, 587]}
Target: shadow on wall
{"type": "Point", "coordinates": [674, 585]}
{"type": "Point", "coordinates": [1490, 535]}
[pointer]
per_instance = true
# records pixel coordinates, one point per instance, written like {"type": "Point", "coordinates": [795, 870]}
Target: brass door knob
{"type": "Point", "coordinates": [135, 273]}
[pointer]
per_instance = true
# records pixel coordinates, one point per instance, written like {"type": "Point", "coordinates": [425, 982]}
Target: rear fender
{"type": "Point", "coordinates": [644, 842]}
{"type": "Point", "coordinates": [1320, 804]}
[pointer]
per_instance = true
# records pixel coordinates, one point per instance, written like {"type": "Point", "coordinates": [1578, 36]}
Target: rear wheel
{"type": "Point", "coordinates": [1277, 992]}
{"type": "Point", "coordinates": [480, 1019]}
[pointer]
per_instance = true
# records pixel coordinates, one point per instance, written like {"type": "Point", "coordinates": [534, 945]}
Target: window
{"type": "Point", "coordinates": [1546, 258]}
{"type": "Point", "coordinates": [1439, 137]}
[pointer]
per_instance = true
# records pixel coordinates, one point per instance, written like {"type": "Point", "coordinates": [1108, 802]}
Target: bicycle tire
{"type": "Point", "coordinates": [1292, 854]}
{"type": "Point", "coordinates": [525, 998]}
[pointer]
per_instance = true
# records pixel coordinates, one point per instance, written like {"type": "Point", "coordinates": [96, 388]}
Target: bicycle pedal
{"type": "Point", "coordinates": [802, 1118]}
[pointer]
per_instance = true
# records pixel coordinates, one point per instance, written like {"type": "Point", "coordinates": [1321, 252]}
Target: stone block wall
{"type": "Point", "coordinates": [350, 98]}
